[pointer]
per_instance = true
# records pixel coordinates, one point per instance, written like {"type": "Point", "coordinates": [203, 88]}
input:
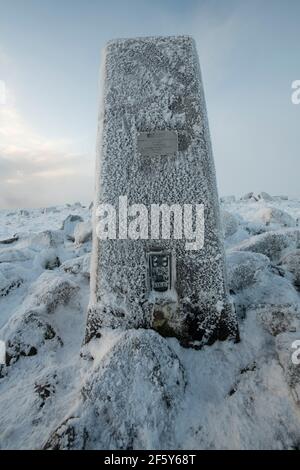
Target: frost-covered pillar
{"type": "Point", "coordinates": [154, 151]}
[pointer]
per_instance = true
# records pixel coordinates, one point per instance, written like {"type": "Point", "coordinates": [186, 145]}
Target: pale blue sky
{"type": "Point", "coordinates": [50, 57]}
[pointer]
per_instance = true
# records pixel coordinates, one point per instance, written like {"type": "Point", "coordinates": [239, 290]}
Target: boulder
{"type": "Point", "coordinates": [69, 225]}
{"type": "Point", "coordinates": [229, 223]}
{"type": "Point", "coordinates": [30, 327]}
{"type": "Point", "coordinates": [47, 259]}
{"type": "Point", "coordinates": [243, 268]}
{"type": "Point", "coordinates": [52, 263]}
{"type": "Point", "coordinates": [274, 244]}
{"type": "Point", "coordinates": [129, 398]}
{"type": "Point", "coordinates": [291, 263]}
{"type": "Point", "coordinates": [249, 197]}
{"type": "Point", "coordinates": [9, 241]}
{"type": "Point", "coordinates": [80, 265]}
{"type": "Point", "coordinates": [10, 278]}
{"type": "Point", "coordinates": [277, 319]}
{"type": "Point", "coordinates": [51, 290]}
{"type": "Point", "coordinates": [45, 239]}
{"type": "Point", "coordinates": [45, 386]}
{"type": "Point", "coordinates": [274, 216]}
{"type": "Point", "coordinates": [24, 213]}
{"type": "Point", "coordinates": [264, 196]}
{"type": "Point", "coordinates": [26, 333]}
{"type": "Point", "coordinates": [83, 232]}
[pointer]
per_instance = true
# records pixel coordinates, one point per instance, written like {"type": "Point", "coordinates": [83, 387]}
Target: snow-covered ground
{"type": "Point", "coordinates": [141, 390]}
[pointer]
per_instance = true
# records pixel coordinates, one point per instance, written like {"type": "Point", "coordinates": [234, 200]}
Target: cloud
{"type": "Point", "coordinates": [35, 170]}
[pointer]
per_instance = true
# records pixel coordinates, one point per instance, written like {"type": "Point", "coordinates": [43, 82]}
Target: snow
{"type": "Point", "coordinates": [135, 389]}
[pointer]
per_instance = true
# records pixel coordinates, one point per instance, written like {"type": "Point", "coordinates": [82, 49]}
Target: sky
{"type": "Point", "coordinates": [50, 54]}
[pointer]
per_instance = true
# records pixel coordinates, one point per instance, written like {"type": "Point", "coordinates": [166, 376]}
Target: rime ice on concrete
{"type": "Point", "coordinates": [154, 147]}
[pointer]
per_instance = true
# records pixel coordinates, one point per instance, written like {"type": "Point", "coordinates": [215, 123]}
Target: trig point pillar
{"type": "Point", "coordinates": [158, 258]}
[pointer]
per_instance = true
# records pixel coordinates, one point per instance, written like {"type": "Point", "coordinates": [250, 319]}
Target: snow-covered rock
{"type": "Point", "coordinates": [23, 246]}
{"type": "Point", "coordinates": [274, 216]}
{"type": "Point", "coordinates": [10, 278]}
{"type": "Point", "coordinates": [30, 326]}
{"type": "Point", "coordinates": [291, 263]}
{"type": "Point", "coordinates": [13, 255]}
{"type": "Point", "coordinates": [9, 241]}
{"type": "Point", "coordinates": [26, 333]}
{"type": "Point", "coordinates": [249, 197]}
{"type": "Point", "coordinates": [254, 228]}
{"type": "Point", "coordinates": [80, 265]}
{"type": "Point", "coordinates": [69, 226]}
{"type": "Point", "coordinates": [83, 232]}
{"type": "Point", "coordinates": [270, 289]}
{"type": "Point", "coordinates": [273, 244]}
{"type": "Point", "coordinates": [243, 268]}
{"type": "Point", "coordinates": [229, 223]}
{"type": "Point", "coordinates": [51, 290]}
{"type": "Point", "coordinates": [129, 398]}
{"type": "Point", "coordinates": [24, 213]}
{"type": "Point", "coordinates": [45, 239]}
{"type": "Point", "coordinates": [264, 196]}
{"type": "Point", "coordinates": [47, 259]}
{"type": "Point", "coordinates": [278, 319]}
